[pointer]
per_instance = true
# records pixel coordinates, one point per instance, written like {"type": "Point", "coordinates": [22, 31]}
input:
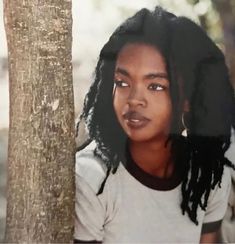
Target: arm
{"type": "Point", "coordinates": [209, 237]}
{"type": "Point", "coordinates": [89, 214]}
{"type": "Point", "coordinates": [217, 205]}
{"type": "Point", "coordinates": [89, 210]}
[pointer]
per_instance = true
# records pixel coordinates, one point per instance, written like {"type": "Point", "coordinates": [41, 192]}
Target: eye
{"type": "Point", "coordinates": [121, 83]}
{"type": "Point", "coordinates": [156, 87]}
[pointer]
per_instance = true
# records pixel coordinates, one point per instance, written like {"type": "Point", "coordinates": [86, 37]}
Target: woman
{"type": "Point", "coordinates": [157, 76]}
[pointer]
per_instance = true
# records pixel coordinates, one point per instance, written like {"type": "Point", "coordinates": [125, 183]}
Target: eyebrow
{"type": "Point", "coordinates": [154, 75]}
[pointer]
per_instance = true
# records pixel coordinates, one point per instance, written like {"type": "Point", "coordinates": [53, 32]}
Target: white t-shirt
{"type": "Point", "coordinates": [228, 225]}
{"type": "Point", "coordinates": [131, 209]}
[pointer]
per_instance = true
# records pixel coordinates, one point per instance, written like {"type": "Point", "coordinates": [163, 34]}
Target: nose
{"type": "Point", "coordinates": [136, 97]}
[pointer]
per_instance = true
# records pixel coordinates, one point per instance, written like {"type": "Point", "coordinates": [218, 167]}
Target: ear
{"type": "Point", "coordinates": [186, 106]}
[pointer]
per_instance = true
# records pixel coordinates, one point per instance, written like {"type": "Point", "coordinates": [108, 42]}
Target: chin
{"type": "Point", "coordinates": [144, 137]}
{"type": "Point", "coordinates": [135, 137]}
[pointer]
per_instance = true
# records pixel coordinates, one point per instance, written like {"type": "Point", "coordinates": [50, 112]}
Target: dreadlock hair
{"type": "Point", "coordinates": [197, 72]}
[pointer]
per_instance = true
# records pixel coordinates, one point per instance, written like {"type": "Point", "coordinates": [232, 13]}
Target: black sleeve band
{"type": "Point", "coordinates": [80, 241]}
{"type": "Point", "coordinates": [211, 227]}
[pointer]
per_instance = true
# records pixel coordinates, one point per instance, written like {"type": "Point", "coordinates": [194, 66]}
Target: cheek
{"type": "Point", "coordinates": [162, 107]}
{"type": "Point", "coordinates": [168, 110]}
{"type": "Point", "coordinates": [119, 101]}
{"type": "Point", "coordinates": [168, 114]}
{"type": "Point", "coordinates": [117, 104]}
{"type": "Point", "coordinates": [169, 105]}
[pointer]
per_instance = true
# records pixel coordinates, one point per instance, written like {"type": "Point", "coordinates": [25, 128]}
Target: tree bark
{"type": "Point", "coordinates": [40, 188]}
{"type": "Point", "coordinates": [226, 10]}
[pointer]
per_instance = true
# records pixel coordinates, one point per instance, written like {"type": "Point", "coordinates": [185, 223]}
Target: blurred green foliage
{"type": "Point", "coordinates": [209, 19]}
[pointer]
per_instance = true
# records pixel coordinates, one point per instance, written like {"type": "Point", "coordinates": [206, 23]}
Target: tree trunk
{"type": "Point", "coordinates": [40, 194]}
{"type": "Point", "coordinates": [226, 10]}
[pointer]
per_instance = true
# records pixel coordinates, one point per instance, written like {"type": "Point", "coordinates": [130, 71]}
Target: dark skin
{"type": "Point", "coordinates": [144, 88]}
{"type": "Point", "coordinates": [143, 107]}
{"type": "Point", "coordinates": [158, 157]}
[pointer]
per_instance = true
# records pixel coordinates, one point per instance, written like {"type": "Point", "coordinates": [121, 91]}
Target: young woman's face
{"type": "Point", "coordinates": [142, 100]}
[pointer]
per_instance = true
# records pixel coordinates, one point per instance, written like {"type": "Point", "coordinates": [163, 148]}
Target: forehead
{"type": "Point", "coordinates": [140, 56]}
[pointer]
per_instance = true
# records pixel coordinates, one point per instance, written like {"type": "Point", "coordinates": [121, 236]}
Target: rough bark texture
{"type": "Point", "coordinates": [40, 195]}
{"type": "Point", "coordinates": [226, 10]}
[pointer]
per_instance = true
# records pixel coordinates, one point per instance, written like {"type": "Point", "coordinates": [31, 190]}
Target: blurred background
{"type": "Point", "coordinates": [93, 23]}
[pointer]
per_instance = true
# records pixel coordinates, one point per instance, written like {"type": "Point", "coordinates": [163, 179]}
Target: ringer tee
{"type": "Point", "coordinates": [136, 207]}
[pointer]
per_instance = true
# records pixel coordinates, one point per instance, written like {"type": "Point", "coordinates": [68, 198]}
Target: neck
{"type": "Point", "coordinates": [154, 158]}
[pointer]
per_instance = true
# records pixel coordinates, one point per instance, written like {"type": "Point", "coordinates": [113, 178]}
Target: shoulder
{"type": "Point", "coordinates": [226, 180]}
{"type": "Point", "coordinates": [218, 199]}
{"type": "Point", "coordinates": [223, 189]}
{"type": "Point", "coordinates": [89, 168]}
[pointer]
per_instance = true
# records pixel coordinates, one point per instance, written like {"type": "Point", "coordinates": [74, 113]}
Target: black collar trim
{"type": "Point", "coordinates": [149, 180]}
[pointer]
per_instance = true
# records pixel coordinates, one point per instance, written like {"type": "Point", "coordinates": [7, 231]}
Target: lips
{"type": "Point", "coordinates": [135, 120]}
